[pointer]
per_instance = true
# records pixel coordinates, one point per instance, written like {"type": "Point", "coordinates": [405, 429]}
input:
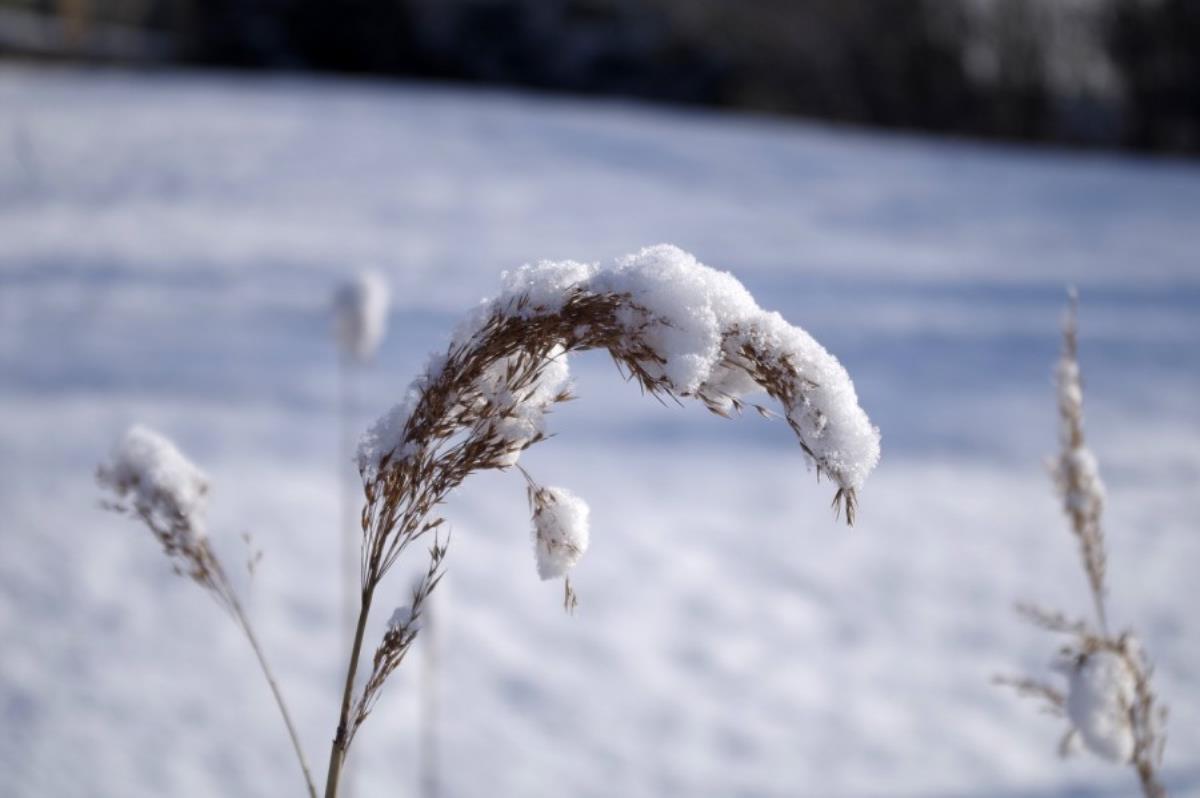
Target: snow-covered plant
{"type": "Point", "coordinates": [676, 327]}
{"type": "Point", "coordinates": [1108, 701]}
{"type": "Point", "coordinates": [360, 308]}
{"type": "Point", "coordinates": [153, 480]}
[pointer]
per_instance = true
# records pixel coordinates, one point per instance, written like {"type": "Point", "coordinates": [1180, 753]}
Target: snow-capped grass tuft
{"type": "Point", "coordinates": [679, 328]}
{"type": "Point", "coordinates": [1108, 702]}
{"type": "Point", "coordinates": [676, 327]}
{"type": "Point", "coordinates": [163, 487]}
{"type": "Point", "coordinates": [360, 308]}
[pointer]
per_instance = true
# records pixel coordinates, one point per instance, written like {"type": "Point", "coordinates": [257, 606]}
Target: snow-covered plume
{"type": "Point", "coordinates": [560, 530]}
{"type": "Point", "coordinates": [360, 314]}
{"type": "Point", "coordinates": [676, 326]}
{"type": "Point", "coordinates": [162, 486]}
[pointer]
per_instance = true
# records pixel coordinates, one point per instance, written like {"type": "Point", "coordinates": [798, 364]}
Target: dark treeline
{"type": "Point", "coordinates": [1087, 72]}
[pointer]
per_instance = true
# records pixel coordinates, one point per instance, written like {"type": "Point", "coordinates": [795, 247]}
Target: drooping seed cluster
{"type": "Point", "coordinates": [677, 328]}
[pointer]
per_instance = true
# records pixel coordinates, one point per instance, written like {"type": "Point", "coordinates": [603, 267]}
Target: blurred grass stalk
{"type": "Point", "coordinates": [1109, 701]}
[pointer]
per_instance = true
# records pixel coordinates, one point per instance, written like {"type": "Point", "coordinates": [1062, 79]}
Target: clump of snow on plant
{"type": "Point", "coordinates": [560, 530]}
{"type": "Point", "coordinates": [517, 418]}
{"type": "Point", "coordinates": [360, 314]}
{"type": "Point", "coordinates": [697, 321]}
{"type": "Point", "coordinates": [386, 435]}
{"type": "Point", "coordinates": [1101, 689]}
{"type": "Point", "coordinates": [547, 283]}
{"type": "Point", "coordinates": [149, 470]}
{"type": "Point", "coordinates": [687, 310]}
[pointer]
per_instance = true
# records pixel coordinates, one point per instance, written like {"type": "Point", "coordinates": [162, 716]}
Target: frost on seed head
{"type": "Point", "coordinates": [147, 470]}
{"type": "Point", "coordinates": [360, 314]}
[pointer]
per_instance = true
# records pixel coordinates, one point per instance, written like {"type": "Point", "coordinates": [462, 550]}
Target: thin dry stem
{"type": "Point", "coordinates": [347, 534]}
{"type": "Point", "coordinates": [191, 556]}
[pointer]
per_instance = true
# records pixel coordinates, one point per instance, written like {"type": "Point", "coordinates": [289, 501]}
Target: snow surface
{"type": "Point", "coordinates": [168, 245]}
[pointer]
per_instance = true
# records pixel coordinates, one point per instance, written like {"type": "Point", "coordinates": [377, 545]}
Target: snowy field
{"type": "Point", "coordinates": [168, 249]}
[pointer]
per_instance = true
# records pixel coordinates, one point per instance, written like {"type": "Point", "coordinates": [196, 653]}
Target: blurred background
{"type": "Point", "coordinates": [185, 185]}
{"type": "Point", "coordinates": [1114, 73]}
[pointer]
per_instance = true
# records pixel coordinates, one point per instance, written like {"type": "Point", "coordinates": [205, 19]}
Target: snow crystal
{"type": "Point", "coordinates": [560, 530]}
{"type": "Point", "coordinates": [360, 314]}
{"type": "Point", "coordinates": [162, 483]}
{"type": "Point", "coordinates": [1101, 689]}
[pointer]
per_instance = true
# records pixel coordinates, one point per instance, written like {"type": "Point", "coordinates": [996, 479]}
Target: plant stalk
{"type": "Point", "coordinates": [337, 751]}
{"type": "Point", "coordinates": [244, 622]}
{"type": "Point", "coordinates": [1151, 787]}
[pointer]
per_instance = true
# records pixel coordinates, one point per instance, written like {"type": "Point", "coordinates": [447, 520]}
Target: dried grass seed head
{"type": "Point", "coordinates": [162, 485]}
{"type": "Point", "coordinates": [677, 327]}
